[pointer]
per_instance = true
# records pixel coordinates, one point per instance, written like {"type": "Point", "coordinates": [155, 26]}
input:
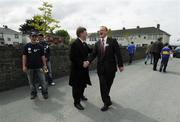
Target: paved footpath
{"type": "Point", "coordinates": [138, 94]}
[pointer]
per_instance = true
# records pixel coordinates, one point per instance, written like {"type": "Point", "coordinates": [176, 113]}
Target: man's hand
{"type": "Point", "coordinates": [85, 64]}
{"type": "Point", "coordinates": [24, 69]}
{"type": "Point", "coordinates": [121, 69]}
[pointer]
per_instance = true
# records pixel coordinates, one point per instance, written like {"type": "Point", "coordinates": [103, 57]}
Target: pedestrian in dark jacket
{"type": "Point", "coordinates": [156, 50]}
{"type": "Point", "coordinates": [79, 75]}
{"type": "Point", "coordinates": [108, 54]}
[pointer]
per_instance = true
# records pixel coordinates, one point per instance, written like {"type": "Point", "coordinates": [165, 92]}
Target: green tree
{"type": "Point", "coordinates": [109, 33]}
{"type": "Point", "coordinates": [49, 24]}
{"type": "Point", "coordinates": [64, 35]}
{"type": "Point", "coordinates": [27, 27]}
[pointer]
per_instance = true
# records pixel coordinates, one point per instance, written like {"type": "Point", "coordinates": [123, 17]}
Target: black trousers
{"type": "Point", "coordinates": [105, 87]}
{"type": "Point", "coordinates": [78, 93]}
{"type": "Point", "coordinates": [131, 56]}
{"type": "Point", "coordinates": [156, 59]}
{"type": "Point", "coordinates": [164, 63]}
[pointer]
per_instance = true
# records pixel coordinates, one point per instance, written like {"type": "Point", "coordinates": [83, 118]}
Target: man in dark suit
{"type": "Point", "coordinates": [156, 50]}
{"type": "Point", "coordinates": [79, 76]}
{"type": "Point", "coordinates": [108, 55]}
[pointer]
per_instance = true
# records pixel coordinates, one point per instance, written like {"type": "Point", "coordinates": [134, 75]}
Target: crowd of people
{"type": "Point", "coordinates": [37, 63]}
{"type": "Point", "coordinates": [157, 50]}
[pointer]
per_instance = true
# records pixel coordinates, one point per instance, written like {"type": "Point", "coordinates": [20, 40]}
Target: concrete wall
{"type": "Point", "coordinates": [11, 75]}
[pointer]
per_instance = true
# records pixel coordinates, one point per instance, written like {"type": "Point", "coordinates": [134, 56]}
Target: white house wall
{"type": "Point", "coordinates": [13, 39]}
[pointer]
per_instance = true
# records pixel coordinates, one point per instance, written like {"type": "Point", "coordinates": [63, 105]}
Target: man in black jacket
{"type": "Point", "coordinates": [156, 50]}
{"type": "Point", "coordinates": [108, 55]}
{"type": "Point", "coordinates": [34, 64]}
{"type": "Point", "coordinates": [79, 75]}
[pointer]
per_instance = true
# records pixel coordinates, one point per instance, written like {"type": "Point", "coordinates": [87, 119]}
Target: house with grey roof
{"type": "Point", "coordinates": [140, 36]}
{"type": "Point", "coordinates": [9, 36]}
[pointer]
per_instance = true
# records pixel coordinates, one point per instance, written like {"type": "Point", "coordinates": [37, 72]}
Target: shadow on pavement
{"type": "Point", "coordinates": [173, 73]}
{"type": "Point", "coordinates": [116, 113]}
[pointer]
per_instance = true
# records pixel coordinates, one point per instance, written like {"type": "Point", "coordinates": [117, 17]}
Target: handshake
{"type": "Point", "coordinates": [86, 64]}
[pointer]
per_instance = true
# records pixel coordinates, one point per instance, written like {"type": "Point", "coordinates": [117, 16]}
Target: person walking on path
{"type": "Point", "coordinates": [165, 55]}
{"type": "Point", "coordinates": [131, 51]}
{"type": "Point", "coordinates": [79, 75]}
{"type": "Point", "coordinates": [107, 50]}
{"type": "Point", "coordinates": [149, 54]}
{"type": "Point", "coordinates": [156, 50]}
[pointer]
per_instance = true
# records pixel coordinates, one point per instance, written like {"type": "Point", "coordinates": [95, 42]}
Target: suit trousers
{"type": "Point", "coordinates": [77, 93]}
{"type": "Point", "coordinates": [105, 87]}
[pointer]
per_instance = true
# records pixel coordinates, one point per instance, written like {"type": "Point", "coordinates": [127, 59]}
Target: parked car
{"type": "Point", "coordinates": [177, 52]}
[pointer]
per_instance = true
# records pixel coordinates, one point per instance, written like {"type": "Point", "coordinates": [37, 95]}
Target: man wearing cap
{"type": "Point", "coordinates": [34, 64]}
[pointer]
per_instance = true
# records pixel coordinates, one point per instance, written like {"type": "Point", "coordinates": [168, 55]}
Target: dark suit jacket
{"type": "Point", "coordinates": [107, 64]}
{"type": "Point", "coordinates": [79, 76]}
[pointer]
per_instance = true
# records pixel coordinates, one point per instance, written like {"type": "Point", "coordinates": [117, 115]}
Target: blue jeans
{"type": "Point", "coordinates": [149, 56]}
{"type": "Point", "coordinates": [49, 74]}
{"type": "Point", "coordinates": [31, 74]}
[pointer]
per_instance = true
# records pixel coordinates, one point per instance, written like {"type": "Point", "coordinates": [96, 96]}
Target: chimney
{"type": "Point", "coordinates": [124, 28]}
{"type": "Point", "coordinates": [5, 26]}
{"type": "Point", "coordinates": [158, 26]}
{"type": "Point", "coordinates": [138, 27]}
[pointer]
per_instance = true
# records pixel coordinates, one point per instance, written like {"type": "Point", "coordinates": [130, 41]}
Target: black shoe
{"type": "Point", "coordinates": [84, 98]}
{"type": "Point", "coordinates": [45, 96]}
{"type": "Point", "coordinates": [145, 62]}
{"type": "Point", "coordinates": [160, 70]}
{"type": "Point", "coordinates": [155, 69]}
{"type": "Point", "coordinates": [105, 108]}
{"type": "Point", "coordinates": [110, 103]}
{"type": "Point", "coordinates": [79, 106]}
{"type": "Point", "coordinates": [164, 71]}
{"type": "Point", "coordinates": [33, 96]}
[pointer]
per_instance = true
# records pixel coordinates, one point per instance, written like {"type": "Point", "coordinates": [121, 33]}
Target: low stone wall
{"type": "Point", "coordinates": [11, 75]}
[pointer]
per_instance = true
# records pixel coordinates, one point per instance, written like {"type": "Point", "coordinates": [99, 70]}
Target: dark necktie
{"type": "Point", "coordinates": [102, 47]}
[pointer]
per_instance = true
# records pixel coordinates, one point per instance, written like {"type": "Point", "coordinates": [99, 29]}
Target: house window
{"type": "Point", "coordinates": [1, 35]}
{"type": "Point", "coordinates": [149, 36]}
{"type": "Point", "coordinates": [9, 39]}
{"type": "Point", "coordinates": [144, 37]}
{"type": "Point", "coordinates": [16, 36]}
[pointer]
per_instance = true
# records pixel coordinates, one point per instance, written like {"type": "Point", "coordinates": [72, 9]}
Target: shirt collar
{"type": "Point", "coordinates": [83, 41]}
{"type": "Point", "coordinates": [105, 38]}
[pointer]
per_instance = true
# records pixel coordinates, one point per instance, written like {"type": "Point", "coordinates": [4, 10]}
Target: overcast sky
{"type": "Point", "coordinates": [115, 14]}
